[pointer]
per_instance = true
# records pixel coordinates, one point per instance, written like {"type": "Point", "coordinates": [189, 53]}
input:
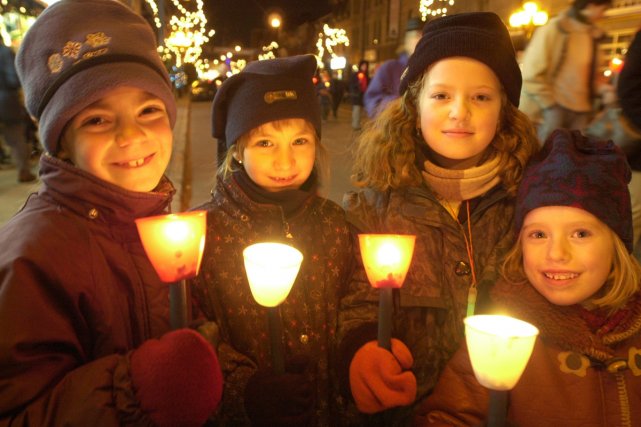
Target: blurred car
{"type": "Point", "coordinates": [203, 90]}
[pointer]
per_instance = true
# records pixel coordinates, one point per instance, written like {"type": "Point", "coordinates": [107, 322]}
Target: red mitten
{"type": "Point", "coordinates": [177, 379]}
{"type": "Point", "coordinates": [379, 379]}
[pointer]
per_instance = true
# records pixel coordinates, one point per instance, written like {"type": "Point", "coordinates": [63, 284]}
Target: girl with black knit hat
{"type": "Point", "coordinates": [572, 275]}
{"type": "Point", "coordinates": [267, 121]}
{"type": "Point", "coordinates": [84, 318]}
{"type": "Point", "coordinates": [443, 163]}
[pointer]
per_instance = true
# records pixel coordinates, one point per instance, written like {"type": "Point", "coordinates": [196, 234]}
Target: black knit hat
{"type": "Point", "coordinates": [478, 35]}
{"type": "Point", "coordinates": [577, 171]}
{"type": "Point", "coordinates": [79, 50]}
{"type": "Point", "coordinates": [265, 91]}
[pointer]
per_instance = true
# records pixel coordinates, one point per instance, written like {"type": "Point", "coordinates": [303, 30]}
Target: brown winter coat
{"type": "Point", "coordinates": [319, 230]}
{"type": "Point", "coordinates": [430, 306]}
{"type": "Point", "coordinates": [567, 381]}
{"type": "Point", "coordinates": [77, 294]}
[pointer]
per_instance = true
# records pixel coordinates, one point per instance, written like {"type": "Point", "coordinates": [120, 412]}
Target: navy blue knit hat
{"type": "Point", "coordinates": [265, 91]}
{"type": "Point", "coordinates": [79, 50]}
{"type": "Point", "coordinates": [478, 35]}
{"type": "Point", "coordinates": [577, 171]}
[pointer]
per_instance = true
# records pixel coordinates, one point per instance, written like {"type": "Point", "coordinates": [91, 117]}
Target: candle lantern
{"type": "Point", "coordinates": [174, 244]}
{"type": "Point", "coordinates": [386, 258]}
{"type": "Point", "coordinates": [499, 349]}
{"type": "Point", "coordinates": [271, 271]}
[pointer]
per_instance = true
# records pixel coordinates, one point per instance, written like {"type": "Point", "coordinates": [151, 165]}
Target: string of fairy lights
{"type": "Point", "coordinates": [327, 40]}
{"type": "Point", "coordinates": [434, 8]}
{"type": "Point", "coordinates": [189, 33]}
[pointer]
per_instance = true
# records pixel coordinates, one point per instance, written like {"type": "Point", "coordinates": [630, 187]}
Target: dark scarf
{"type": "Point", "coordinates": [289, 200]}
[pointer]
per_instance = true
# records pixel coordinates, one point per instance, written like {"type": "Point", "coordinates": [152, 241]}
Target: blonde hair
{"type": "Point", "coordinates": [234, 153]}
{"type": "Point", "coordinates": [386, 151]}
{"type": "Point", "coordinates": [621, 284]}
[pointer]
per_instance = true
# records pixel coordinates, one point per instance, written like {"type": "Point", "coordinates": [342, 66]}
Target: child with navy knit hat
{"type": "Point", "coordinates": [571, 274]}
{"type": "Point", "coordinates": [442, 162]}
{"type": "Point", "coordinates": [84, 318]}
{"type": "Point", "coordinates": [267, 122]}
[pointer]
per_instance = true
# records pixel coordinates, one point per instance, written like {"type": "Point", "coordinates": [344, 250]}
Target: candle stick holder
{"type": "Point", "coordinates": [499, 349]}
{"type": "Point", "coordinates": [386, 258]}
{"type": "Point", "coordinates": [174, 244]}
{"type": "Point", "coordinates": [271, 271]}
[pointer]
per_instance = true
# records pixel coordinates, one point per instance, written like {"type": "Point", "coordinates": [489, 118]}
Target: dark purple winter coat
{"type": "Point", "coordinates": [77, 294]}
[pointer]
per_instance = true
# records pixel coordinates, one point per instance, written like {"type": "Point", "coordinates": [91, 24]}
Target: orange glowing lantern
{"type": "Point", "coordinates": [174, 244]}
{"type": "Point", "coordinates": [386, 258]}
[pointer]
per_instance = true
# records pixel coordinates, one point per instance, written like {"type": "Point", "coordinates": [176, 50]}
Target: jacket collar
{"type": "Point", "coordinates": [90, 196]}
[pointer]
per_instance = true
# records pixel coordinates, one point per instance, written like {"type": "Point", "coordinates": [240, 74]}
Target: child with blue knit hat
{"type": "Point", "coordinates": [267, 121]}
{"type": "Point", "coordinates": [84, 318]}
{"type": "Point", "coordinates": [571, 274]}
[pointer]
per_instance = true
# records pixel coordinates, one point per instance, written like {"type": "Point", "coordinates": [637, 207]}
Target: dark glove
{"type": "Point", "coordinates": [177, 379]}
{"type": "Point", "coordinates": [380, 379]}
{"type": "Point", "coordinates": [281, 400]}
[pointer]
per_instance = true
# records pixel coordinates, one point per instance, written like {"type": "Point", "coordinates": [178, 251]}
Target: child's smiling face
{"type": "Point", "coordinates": [125, 138]}
{"type": "Point", "coordinates": [280, 155]}
{"type": "Point", "coordinates": [459, 108]}
{"type": "Point", "coordinates": [567, 253]}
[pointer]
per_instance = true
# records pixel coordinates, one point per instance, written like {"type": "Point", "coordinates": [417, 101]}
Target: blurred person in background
{"type": "Point", "coordinates": [558, 68]}
{"type": "Point", "coordinates": [13, 116]}
{"type": "Point", "coordinates": [384, 85]}
{"type": "Point", "coordinates": [629, 94]}
{"type": "Point", "coordinates": [357, 86]}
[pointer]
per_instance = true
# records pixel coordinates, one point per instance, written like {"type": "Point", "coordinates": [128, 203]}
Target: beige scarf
{"type": "Point", "coordinates": [452, 186]}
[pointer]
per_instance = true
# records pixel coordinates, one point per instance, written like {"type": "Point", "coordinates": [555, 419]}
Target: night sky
{"type": "Point", "coordinates": [233, 20]}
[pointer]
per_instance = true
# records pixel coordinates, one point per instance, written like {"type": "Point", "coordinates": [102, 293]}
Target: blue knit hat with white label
{"type": "Point", "coordinates": [266, 91]}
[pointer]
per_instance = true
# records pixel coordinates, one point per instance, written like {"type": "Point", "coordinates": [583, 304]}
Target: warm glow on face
{"type": "Point", "coordinates": [174, 243]}
{"type": "Point", "coordinates": [386, 258]}
{"type": "Point", "coordinates": [271, 271]}
{"type": "Point", "coordinates": [499, 348]}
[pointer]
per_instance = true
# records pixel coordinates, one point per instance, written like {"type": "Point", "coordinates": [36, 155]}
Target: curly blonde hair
{"type": "Point", "coordinates": [386, 150]}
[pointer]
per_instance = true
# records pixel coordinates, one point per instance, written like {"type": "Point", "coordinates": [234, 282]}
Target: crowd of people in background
{"type": "Point", "coordinates": [516, 208]}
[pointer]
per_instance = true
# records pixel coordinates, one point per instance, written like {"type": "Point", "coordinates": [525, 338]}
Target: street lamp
{"type": "Point", "coordinates": [275, 22]}
{"type": "Point", "coordinates": [528, 17]}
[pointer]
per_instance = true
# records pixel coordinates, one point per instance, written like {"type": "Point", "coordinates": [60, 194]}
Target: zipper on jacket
{"type": "Point", "coordinates": [624, 402]}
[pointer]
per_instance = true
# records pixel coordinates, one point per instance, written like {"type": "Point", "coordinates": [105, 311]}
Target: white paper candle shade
{"type": "Point", "coordinates": [499, 348]}
{"type": "Point", "coordinates": [271, 270]}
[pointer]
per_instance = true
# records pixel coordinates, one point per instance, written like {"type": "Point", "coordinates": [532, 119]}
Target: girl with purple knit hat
{"type": "Point", "coordinates": [571, 274]}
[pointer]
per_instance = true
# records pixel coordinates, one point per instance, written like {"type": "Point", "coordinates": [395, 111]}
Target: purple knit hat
{"type": "Point", "coordinates": [79, 50]}
{"type": "Point", "coordinates": [577, 171]}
